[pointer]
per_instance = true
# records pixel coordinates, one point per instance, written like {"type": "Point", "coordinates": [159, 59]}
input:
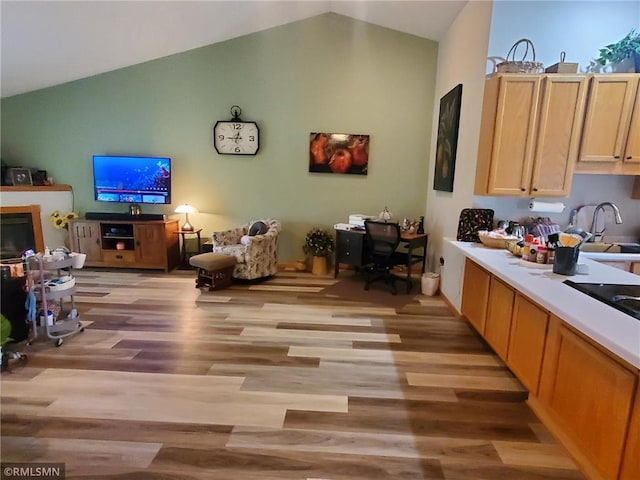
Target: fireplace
{"type": "Point", "coordinates": [20, 229]}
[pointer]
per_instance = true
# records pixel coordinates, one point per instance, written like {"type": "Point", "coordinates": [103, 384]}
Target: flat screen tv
{"type": "Point", "coordinates": [132, 179]}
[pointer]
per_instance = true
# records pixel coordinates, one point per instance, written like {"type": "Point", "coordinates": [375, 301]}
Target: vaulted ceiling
{"type": "Point", "coordinates": [46, 43]}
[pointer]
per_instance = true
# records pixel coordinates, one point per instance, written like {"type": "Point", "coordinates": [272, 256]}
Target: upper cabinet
{"type": "Point", "coordinates": [530, 134]}
{"type": "Point", "coordinates": [611, 138]}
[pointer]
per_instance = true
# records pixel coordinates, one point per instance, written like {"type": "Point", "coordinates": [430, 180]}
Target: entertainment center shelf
{"type": "Point", "coordinates": [126, 244]}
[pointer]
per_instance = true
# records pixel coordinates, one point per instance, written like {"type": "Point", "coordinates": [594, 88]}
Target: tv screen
{"type": "Point", "coordinates": [132, 179]}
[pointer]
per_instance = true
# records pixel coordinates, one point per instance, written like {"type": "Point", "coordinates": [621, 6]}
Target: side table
{"type": "Point", "coordinates": [183, 249]}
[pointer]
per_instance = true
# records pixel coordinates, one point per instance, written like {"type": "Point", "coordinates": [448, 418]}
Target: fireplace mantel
{"type": "Point", "coordinates": [36, 188]}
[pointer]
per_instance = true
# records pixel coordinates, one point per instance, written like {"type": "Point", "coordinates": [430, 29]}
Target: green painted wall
{"type": "Point", "coordinates": [329, 73]}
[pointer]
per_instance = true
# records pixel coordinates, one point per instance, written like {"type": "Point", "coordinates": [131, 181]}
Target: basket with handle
{"type": "Point", "coordinates": [511, 65]}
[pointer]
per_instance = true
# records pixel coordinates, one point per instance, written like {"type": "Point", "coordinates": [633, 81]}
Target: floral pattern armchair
{"type": "Point", "coordinates": [256, 256]}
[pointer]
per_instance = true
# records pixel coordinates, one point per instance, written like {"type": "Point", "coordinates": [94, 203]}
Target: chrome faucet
{"type": "Point", "coordinates": [616, 213]}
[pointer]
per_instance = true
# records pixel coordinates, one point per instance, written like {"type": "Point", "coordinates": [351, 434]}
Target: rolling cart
{"type": "Point", "coordinates": [46, 287]}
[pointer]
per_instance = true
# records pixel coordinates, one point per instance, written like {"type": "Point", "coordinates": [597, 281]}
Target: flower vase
{"type": "Point", "coordinates": [319, 266]}
{"type": "Point", "coordinates": [67, 240]}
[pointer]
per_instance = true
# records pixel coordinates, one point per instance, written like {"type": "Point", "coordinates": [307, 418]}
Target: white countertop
{"type": "Point", "coordinates": [614, 330]}
{"type": "Point", "coordinates": [611, 257]}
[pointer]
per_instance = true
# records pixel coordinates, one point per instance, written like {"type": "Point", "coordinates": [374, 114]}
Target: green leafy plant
{"type": "Point", "coordinates": [318, 243]}
{"type": "Point", "coordinates": [617, 52]}
{"type": "Point", "coordinates": [5, 330]}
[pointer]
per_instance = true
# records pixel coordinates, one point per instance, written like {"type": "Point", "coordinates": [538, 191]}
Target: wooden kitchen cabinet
{"type": "Point", "coordinates": [530, 134]}
{"type": "Point", "coordinates": [85, 238]}
{"type": "Point", "coordinates": [527, 341]}
{"type": "Point", "coordinates": [498, 319]}
{"type": "Point", "coordinates": [475, 295]}
{"type": "Point", "coordinates": [611, 137]}
{"type": "Point", "coordinates": [631, 460]}
{"type": "Point", "coordinates": [588, 395]}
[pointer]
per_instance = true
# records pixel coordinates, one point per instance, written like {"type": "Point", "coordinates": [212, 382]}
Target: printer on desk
{"type": "Point", "coordinates": [357, 219]}
{"type": "Point", "coordinates": [356, 222]}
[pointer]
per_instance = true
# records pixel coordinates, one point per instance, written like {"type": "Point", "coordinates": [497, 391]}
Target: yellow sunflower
{"type": "Point", "coordinates": [60, 222]}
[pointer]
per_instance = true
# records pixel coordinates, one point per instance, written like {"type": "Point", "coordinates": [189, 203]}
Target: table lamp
{"type": "Point", "coordinates": [186, 209]}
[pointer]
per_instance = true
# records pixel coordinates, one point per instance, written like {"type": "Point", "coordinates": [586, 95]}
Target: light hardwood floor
{"type": "Point", "coordinates": [298, 377]}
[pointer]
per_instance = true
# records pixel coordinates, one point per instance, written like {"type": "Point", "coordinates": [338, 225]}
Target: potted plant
{"type": "Point", "coordinates": [628, 47]}
{"type": "Point", "coordinates": [320, 244]}
{"type": "Point", "coordinates": [5, 330]}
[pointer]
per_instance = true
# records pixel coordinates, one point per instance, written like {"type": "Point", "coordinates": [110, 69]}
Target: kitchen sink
{"type": "Point", "coordinates": [604, 247]}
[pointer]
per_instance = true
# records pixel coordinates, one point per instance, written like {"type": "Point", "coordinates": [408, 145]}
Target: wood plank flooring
{"type": "Point", "coordinates": [298, 377]}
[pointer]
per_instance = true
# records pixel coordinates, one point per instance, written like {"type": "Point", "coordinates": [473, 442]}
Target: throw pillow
{"type": "Point", "coordinates": [244, 240]}
{"type": "Point", "coordinates": [258, 228]}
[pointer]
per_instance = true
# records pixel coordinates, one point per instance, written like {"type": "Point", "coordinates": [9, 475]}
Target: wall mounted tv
{"type": "Point", "coordinates": [132, 179]}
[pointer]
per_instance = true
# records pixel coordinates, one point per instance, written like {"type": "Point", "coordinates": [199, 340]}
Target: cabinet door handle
{"type": "Point", "coordinates": [97, 241]}
{"type": "Point", "coordinates": [535, 189]}
{"type": "Point", "coordinates": [523, 189]}
{"type": "Point", "coordinates": [629, 157]}
{"type": "Point", "coordinates": [616, 156]}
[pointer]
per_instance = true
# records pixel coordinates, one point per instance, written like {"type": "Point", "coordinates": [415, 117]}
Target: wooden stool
{"type": "Point", "coordinates": [214, 269]}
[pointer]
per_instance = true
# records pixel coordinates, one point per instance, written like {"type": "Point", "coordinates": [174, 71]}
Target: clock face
{"type": "Point", "coordinates": [236, 138]}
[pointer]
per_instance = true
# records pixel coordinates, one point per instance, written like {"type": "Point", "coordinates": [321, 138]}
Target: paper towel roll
{"type": "Point", "coordinates": [546, 207]}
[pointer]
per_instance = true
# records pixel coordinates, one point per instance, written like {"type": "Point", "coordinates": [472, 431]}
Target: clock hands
{"type": "Point", "coordinates": [236, 138]}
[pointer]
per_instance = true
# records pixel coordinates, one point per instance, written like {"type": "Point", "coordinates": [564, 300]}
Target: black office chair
{"type": "Point", "coordinates": [383, 239]}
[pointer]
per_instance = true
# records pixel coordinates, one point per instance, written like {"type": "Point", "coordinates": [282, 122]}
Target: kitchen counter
{"type": "Point", "coordinates": [611, 257]}
{"type": "Point", "coordinates": [614, 330]}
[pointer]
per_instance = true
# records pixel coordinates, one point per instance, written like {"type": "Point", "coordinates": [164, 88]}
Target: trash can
{"type": "Point", "coordinates": [430, 283]}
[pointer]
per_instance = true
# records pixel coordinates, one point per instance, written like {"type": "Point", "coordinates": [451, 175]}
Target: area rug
{"type": "Point", "coordinates": [350, 287]}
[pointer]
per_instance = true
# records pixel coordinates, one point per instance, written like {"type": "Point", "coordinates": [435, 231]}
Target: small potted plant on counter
{"type": "Point", "coordinates": [319, 243]}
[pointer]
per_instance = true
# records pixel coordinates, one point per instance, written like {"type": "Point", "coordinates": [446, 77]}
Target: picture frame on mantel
{"type": "Point", "coordinates": [21, 177]}
{"type": "Point", "coordinates": [447, 143]}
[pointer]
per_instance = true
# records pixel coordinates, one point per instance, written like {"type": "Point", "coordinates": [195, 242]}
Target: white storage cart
{"type": "Point", "coordinates": [58, 288]}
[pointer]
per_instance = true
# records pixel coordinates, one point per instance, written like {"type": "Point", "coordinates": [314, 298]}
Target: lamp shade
{"type": "Point", "coordinates": [185, 208]}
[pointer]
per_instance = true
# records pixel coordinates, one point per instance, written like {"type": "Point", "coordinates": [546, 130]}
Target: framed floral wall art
{"type": "Point", "coordinates": [447, 144]}
{"type": "Point", "coordinates": [338, 153]}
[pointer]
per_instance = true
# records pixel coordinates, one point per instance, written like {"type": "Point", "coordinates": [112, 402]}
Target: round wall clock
{"type": "Point", "coordinates": [235, 137]}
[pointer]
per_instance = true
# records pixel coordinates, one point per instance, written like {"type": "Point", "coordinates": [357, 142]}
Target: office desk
{"type": "Point", "coordinates": [351, 249]}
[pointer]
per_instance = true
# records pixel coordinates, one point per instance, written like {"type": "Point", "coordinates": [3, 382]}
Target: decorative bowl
{"type": "Point", "coordinates": [488, 240]}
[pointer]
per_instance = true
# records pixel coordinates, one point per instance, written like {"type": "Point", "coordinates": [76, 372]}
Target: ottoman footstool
{"type": "Point", "coordinates": [214, 270]}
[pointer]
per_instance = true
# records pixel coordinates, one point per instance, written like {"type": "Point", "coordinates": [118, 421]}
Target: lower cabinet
{"type": "Point", "coordinates": [127, 244]}
{"type": "Point", "coordinates": [499, 312]}
{"type": "Point", "coordinates": [150, 244]}
{"type": "Point", "coordinates": [475, 295]}
{"type": "Point", "coordinates": [631, 459]}
{"type": "Point", "coordinates": [527, 342]}
{"type": "Point", "coordinates": [350, 249]}
{"type": "Point", "coordinates": [588, 395]}
{"type": "Point", "coordinates": [85, 238]}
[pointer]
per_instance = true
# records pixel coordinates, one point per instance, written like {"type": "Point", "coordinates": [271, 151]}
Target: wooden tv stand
{"type": "Point", "coordinates": [126, 244]}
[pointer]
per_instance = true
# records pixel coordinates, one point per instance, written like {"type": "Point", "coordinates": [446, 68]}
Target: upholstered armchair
{"type": "Point", "coordinates": [256, 255]}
